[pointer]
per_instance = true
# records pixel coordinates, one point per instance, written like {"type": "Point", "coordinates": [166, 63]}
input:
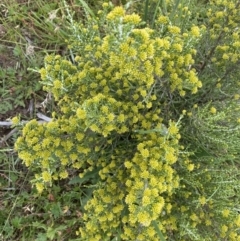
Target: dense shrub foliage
{"type": "Point", "coordinates": [153, 114]}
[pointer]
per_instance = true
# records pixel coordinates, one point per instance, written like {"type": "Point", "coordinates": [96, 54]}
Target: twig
{"type": "Point", "coordinates": [5, 138]}
{"type": "Point", "coordinates": [41, 116]}
{"type": "Point", "coordinates": [5, 123]}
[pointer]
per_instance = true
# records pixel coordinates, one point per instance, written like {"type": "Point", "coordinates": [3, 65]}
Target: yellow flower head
{"type": "Point", "coordinates": [213, 110]}
{"type": "Point", "coordinates": [162, 20]}
{"type": "Point", "coordinates": [81, 114]}
{"type": "Point", "coordinates": [225, 213]}
{"type": "Point", "coordinates": [174, 29]}
{"type": "Point", "coordinates": [116, 13]}
{"type": "Point", "coordinates": [63, 174]}
{"type": "Point", "coordinates": [195, 31]}
{"type": "Point", "coordinates": [46, 176]}
{"type": "Point", "coordinates": [133, 19]}
{"type": "Point", "coordinates": [190, 167]}
{"type": "Point", "coordinates": [15, 120]}
{"type": "Point", "coordinates": [173, 129]}
{"type": "Point", "coordinates": [39, 187]}
{"type": "Point", "coordinates": [202, 200]}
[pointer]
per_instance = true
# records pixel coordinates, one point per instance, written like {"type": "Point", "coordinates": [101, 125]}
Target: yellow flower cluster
{"type": "Point", "coordinates": [110, 99]}
{"type": "Point", "coordinates": [147, 179]}
{"type": "Point", "coordinates": [116, 13]}
{"type": "Point", "coordinates": [16, 120]}
{"type": "Point", "coordinates": [101, 114]}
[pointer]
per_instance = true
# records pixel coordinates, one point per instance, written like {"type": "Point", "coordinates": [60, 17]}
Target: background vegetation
{"type": "Point", "coordinates": [207, 119]}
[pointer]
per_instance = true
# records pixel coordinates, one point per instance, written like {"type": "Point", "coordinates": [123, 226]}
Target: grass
{"type": "Point", "coordinates": [28, 31]}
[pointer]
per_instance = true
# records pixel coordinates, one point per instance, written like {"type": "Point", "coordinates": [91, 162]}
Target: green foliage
{"type": "Point", "coordinates": [216, 130]}
{"type": "Point", "coordinates": [144, 139]}
{"type": "Point", "coordinates": [14, 97]}
{"type": "Point", "coordinates": [57, 219]}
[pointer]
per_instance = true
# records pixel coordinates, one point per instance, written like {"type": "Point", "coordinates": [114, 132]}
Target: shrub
{"type": "Point", "coordinates": [130, 111]}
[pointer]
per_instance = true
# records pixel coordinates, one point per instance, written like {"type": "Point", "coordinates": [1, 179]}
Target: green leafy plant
{"type": "Point", "coordinates": [146, 126]}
